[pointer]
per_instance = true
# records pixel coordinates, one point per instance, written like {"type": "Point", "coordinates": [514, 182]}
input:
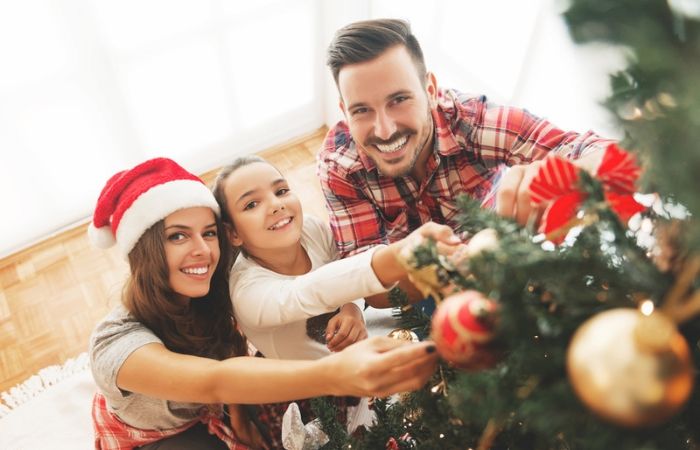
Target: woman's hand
{"type": "Point", "coordinates": [345, 328]}
{"type": "Point", "coordinates": [380, 366]}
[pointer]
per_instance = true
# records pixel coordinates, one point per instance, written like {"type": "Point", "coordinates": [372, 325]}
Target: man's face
{"type": "Point", "coordinates": [387, 109]}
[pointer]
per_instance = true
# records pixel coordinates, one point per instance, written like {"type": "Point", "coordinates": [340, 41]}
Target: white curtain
{"type": "Point", "coordinates": [90, 87]}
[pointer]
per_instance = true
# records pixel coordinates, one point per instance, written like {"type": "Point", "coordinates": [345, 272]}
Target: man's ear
{"type": "Point", "coordinates": [232, 235]}
{"type": "Point", "coordinates": [431, 89]}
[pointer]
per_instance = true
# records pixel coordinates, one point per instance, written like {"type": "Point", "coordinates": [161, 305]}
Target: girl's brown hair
{"type": "Point", "coordinates": [220, 183]}
{"type": "Point", "coordinates": [204, 326]}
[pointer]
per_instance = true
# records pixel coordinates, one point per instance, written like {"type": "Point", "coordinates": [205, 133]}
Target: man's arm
{"type": "Point", "coordinates": [521, 140]}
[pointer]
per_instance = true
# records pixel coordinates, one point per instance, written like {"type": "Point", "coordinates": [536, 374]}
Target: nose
{"type": "Point", "coordinates": [199, 246]}
{"type": "Point", "coordinates": [276, 204]}
{"type": "Point", "coordinates": [384, 125]}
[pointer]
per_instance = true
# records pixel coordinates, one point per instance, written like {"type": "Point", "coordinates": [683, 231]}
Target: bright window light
{"type": "Point", "coordinates": [178, 99]}
{"type": "Point", "coordinates": [130, 25]}
{"type": "Point", "coordinates": [32, 45]}
{"type": "Point", "coordinates": [268, 57]}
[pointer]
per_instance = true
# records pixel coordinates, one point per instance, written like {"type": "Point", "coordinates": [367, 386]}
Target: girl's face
{"type": "Point", "coordinates": [191, 250]}
{"type": "Point", "coordinates": [266, 214]}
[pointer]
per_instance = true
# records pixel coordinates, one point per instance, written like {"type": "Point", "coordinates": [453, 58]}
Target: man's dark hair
{"type": "Point", "coordinates": [367, 39]}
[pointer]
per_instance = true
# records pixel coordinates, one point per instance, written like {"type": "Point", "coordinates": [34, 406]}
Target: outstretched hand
{"type": "Point", "coordinates": [446, 240]}
{"type": "Point", "coordinates": [513, 194]}
{"type": "Point", "coordinates": [381, 366]}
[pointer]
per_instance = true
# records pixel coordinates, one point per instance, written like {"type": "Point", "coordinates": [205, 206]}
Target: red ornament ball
{"type": "Point", "coordinates": [463, 326]}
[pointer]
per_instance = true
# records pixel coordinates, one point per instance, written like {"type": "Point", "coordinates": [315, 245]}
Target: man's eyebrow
{"type": "Point", "coordinates": [388, 97]}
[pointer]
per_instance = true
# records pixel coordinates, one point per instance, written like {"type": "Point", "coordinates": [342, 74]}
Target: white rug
{"type": "Point", "coordinates": [50, 410]}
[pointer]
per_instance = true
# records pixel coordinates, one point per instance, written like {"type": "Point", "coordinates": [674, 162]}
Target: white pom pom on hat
{"type": "Point", "coordinates": [101, 237]}
{"type": "Point", "coordinates": [133, 200]}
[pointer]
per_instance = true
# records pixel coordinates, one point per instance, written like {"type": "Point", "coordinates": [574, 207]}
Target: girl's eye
{"type": "Point", "coordinates": [250, 205]}
{"type": "Point", "coordinates": [176, 236]}
{"type": "Point", "coordinates": [282, 191]}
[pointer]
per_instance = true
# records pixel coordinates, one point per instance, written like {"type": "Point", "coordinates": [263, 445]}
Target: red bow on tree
{"type": "Point", "coordinates": [556, 183]}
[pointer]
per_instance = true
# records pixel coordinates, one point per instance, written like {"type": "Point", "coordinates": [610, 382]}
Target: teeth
{"type": "Point", "coordinates": [196, 270]}
{"type": "Point", "coordinates": [280, 224]}
{"type": "Point", "coordinates": [393, 146]}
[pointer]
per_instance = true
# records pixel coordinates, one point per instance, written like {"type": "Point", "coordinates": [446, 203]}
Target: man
{"type": "Point", "coordinates": [407, 148]}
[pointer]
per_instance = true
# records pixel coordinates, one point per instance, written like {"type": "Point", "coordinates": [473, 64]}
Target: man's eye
{"type": "Point", "coordinates": [357, 111]}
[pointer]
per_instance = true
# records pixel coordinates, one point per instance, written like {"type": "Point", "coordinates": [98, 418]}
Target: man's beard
{"type": "Point", "coordinates": [428, 131]}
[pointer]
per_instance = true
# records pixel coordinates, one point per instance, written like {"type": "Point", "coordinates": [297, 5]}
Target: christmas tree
{"type": "Point", "coordinates": [581, 334]}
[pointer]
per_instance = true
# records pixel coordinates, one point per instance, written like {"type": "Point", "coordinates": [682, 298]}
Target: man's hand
{"type": "Point", "coordinates": [345, 328]}
{"type": "Point", "coordinates": [513, 194]}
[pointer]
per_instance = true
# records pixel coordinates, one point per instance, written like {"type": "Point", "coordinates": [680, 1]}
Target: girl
{"type": "Point", "coordinates": [168, 358]}
{"type": "Point", "coordinates": [289, 270]}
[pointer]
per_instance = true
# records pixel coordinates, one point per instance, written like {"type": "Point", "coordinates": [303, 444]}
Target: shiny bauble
{"type": "Point", "coordinates": [629, 368]}
{"type": "Point", "coordinates": [463, 327]}
{"type": "Point", "coordinates": [402, 334]}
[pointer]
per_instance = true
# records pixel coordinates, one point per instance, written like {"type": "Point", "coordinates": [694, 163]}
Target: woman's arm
{"type": "Point", "coordinates": [378, 367]}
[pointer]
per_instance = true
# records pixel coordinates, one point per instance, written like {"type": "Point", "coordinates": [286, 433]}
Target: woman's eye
{"type": "Point", "coordinates": [210, 233]}
{"type": "Point", "coordinates": [176, 237]}
{"type": "Point", "coordinates": [282, 191]}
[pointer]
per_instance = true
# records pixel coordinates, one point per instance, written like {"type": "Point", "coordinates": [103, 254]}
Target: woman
{"type": "Point", "coordinates": [168, 358]}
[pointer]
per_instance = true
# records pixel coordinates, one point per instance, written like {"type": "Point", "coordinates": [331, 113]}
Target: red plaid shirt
{"type": "Point", "coordinates": [113, 434]}
{"type": "Point", "coordinates": [473, 141]}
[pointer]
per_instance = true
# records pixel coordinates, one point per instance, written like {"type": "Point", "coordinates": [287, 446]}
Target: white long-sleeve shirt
{"type": "Point", "coordinates": [272, 309]}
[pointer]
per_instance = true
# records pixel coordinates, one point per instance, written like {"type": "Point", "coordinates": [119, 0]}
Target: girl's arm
{"type": "Point", "coordinates": [272, 301]}
{"type": "Point", "coordinates": [374, 367]}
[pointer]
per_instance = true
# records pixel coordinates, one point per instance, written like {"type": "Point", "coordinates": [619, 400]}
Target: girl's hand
{"type": "Point", "coordinates": [345, 328]}
{"type": "Point", "coordinates": [446, 240]}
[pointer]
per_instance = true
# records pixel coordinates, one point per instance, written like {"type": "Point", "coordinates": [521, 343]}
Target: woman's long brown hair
{"type": "Point", "coordinates": [203, 327]}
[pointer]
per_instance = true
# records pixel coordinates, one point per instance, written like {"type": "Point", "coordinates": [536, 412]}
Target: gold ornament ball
{"type": "Point", "coordinates": [631, 369]}
{"type": "Point", "coordinates": [403, 335]}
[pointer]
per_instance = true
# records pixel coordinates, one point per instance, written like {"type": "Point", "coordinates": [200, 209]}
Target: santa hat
{"type": "Point", "coordinates": [133, 200]}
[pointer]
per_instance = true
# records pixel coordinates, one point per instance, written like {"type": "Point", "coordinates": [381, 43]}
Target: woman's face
{"type": "Point", "coordinates": [266, 214]}
{"type": "Point", "coordinates": [191, 250]}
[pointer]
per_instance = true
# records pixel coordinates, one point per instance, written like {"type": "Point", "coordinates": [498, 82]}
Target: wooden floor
{"type": "Point", "coordinates": [53, 294]}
